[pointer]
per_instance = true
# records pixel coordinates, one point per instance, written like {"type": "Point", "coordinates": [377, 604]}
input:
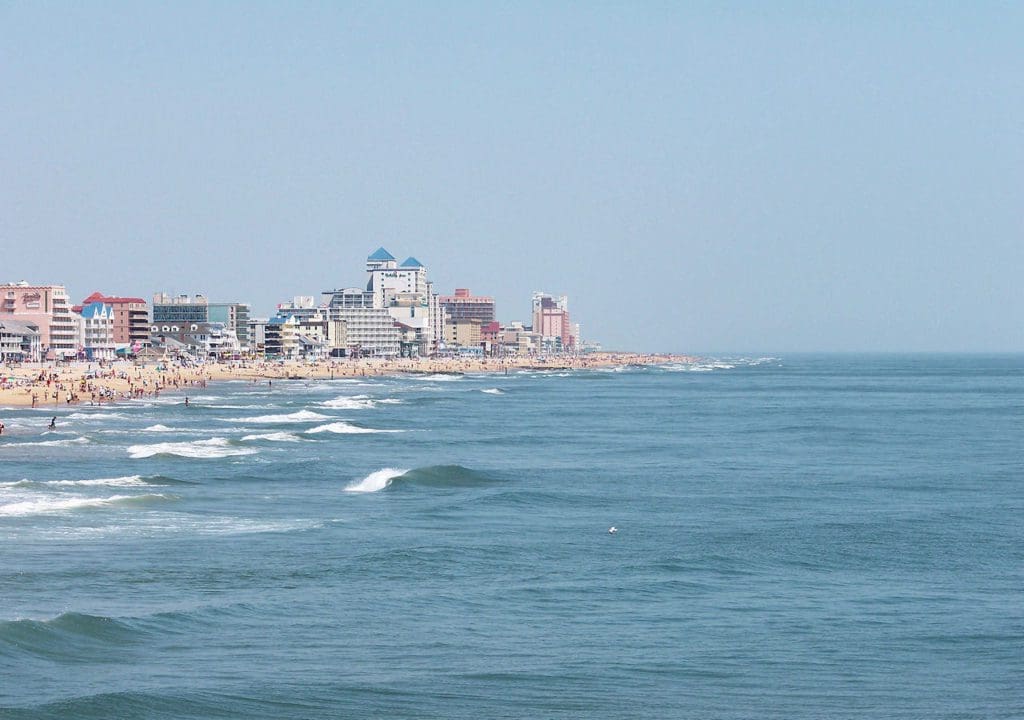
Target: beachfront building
{"type": "Point", "coordinates": [257, 335]}
{"type": "Point", "coordinates": [131, 319]}
{"type": "Point", "coordinates": [318, 334]}
{"type": "Point", "coordinates": [97, 341]}
{"type": "Point", "coordinates": [197, 340]}
{"type": "Point", "coordinates": [551, 322]}
{"type": "Point", "coordinates": [301, 306]}
{"type": "Point", "coordinates": [280, 337]}
{"type": "Point", "coordinates": [404, 290]}
{"type": "Point", "coordinates": [184, 310]}
{"type": "Point", "coordinates": [302, 329]}
{"type": "Point", "coordinates": [369, 331]}
{"type": "Point", "coordinates": [462, 333]}
{"type": "Point", "coordinates": [235, 317]}
{"type": "Point", "coordinates": [463, 305]}
{"type": "Point", "coordinates": [19, 342]}
{"type": "Point", "coordinates": [180, 309]}
{"type": "Point", "coordinates": [516, 340]}
{"type": "Point", "coordinates": [47, 307]}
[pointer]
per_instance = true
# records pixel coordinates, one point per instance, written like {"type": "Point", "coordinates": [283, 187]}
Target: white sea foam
{"type": "Point", "coordinates": [94, 416]}
{"type": "Point", "coordinates": [354, 402]}
{"type": "Point", "coordinates": [49, 506]}
{"type": "Point", "coordinates": [274, 437]}
{"type": "Point", "coordinates": [493, 391]}
{"type": "Point", "coordinates": [295, 417]}
{"type": "Point", "coordinates": [343, 428]}
{"type": "Point", "coordinates": [442, 377]}
{"type": "Point", "coordinates": [375, 481]}
{"type": "Point", "coordinates": [158, 428]}
{"type": "Point", "coordinates": [202, 449]}
{"type": "Point", "coordinates": [81, 440]}
{"type": "Point", "coordinates": [161, 522]}
{"type": "Point", "coordinates": [126, 481]}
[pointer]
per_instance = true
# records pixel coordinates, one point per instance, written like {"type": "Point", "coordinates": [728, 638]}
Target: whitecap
{"type": "Point", "coordinates": [81, 440]}
{"type": "Point", "coordinates": [354, 402]}
{"type": "Point", "coordinates": [158, 428]}
{"type": "Point", "coordinates": [375, 481]}
{"type": "Point", "coordinates": [201, 449]}
{"type": "Point", "coordinates": [274, 437]}
{"type": "Point", "coordinates": [48, 506]}
{"type": "Point", "coordinates": [493, 391]}
{"type": "Point", "coordinates": [343, 428]}
{"type": "Point", "coordinates": [295, 417]}
{"type": "Point", "coordinates": [126, 481]}
{"type": "Point", "coordinates": [94, 416]}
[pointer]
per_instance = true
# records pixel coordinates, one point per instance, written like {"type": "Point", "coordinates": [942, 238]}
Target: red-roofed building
{"type": "Point", "coordinates": [131, 318]}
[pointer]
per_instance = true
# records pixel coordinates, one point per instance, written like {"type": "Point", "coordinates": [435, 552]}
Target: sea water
{"type": "Point", "coordinates": [798, 537]}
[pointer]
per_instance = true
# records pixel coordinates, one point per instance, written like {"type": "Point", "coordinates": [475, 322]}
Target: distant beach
{"type": "Point", "coordinates": [56, 384]}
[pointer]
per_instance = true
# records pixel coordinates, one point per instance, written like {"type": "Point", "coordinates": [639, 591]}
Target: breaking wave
{"type": "Point", "coordinates": [343, 428]}
{"type": "Point", "coordinates": [375, 481]}
{"type": "Point", "coordinates": [80, 440]}
{"type": "Point", "coordinates": [295, 417]}
{"type": "Point", "coordinates": [274, 437]}
{"type": "Point", "coordinates": [50, 506]}
{"type": "Point", "coordinates": [433, 476]}
{"type": "Point", "coordinates": [493, 391]}
{"type": "Point", "coordinates": [712, 364]}
{"type": "Point", "coordinates": [201, 449]}
{"type": "Point", "coordinates": [358, 402]}
{"type": "Point", "coordinates": [94, 416]}
{"type": "Point", "coordinates": [126, 481]}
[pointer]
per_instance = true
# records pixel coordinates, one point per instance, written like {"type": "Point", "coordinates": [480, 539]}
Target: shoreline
{"type": "Point", "coordinates": [92, 383]}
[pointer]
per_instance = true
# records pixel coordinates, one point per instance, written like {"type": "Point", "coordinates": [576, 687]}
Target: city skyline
{"type": "Point", "coordinates": [395, 312]}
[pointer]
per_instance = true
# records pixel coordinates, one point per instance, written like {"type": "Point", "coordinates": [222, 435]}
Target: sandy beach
{"type": "Point", "coordinates": [50, 384]}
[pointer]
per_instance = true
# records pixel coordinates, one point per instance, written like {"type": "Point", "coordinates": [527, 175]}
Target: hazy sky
{"type": "Point", "coordinates": [695, 176]}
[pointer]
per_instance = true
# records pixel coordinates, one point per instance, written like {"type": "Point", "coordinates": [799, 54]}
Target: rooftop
{"type": "Point", "coordinates": [381, 254]}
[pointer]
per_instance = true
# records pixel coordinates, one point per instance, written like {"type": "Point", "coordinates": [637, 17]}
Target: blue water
{"type": "Point", "coordinates": [802, 537]}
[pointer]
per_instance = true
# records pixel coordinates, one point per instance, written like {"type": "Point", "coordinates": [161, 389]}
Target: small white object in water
{"type": "Point", "coordinates": [612, 530]}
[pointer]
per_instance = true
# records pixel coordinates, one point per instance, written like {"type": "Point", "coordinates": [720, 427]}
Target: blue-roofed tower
{"type": "Point", "coordinates": [380, 259]}
{"type": "Point", "coordinates": [406, 294]}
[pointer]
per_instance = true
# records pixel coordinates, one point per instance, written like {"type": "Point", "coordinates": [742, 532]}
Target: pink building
{"type": "Point", "coordinates": [551, 319]}
{"type": "Point", "coordinates": [131, 318]}
{"type": "Point", "coordinates": [46, 306]}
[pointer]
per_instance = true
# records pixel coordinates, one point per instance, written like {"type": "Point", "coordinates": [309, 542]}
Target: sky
{"type": "Point", "coordinates": [696, 177]}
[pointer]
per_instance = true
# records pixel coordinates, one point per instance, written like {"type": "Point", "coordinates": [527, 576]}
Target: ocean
{"type": "Point", "coordinates": [797, 537]}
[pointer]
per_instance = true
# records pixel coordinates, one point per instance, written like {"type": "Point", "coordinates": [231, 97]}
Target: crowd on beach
{"type": "Point", "coordinates": [54, 384]}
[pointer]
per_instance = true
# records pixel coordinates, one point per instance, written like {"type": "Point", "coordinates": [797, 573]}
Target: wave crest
{"type": "Point", "coordinates": [51, 506]}
{"type": "Point", "coordinates": [199, 449]}
{"type": "Point", "coordinates": [274, 437]}
{"type": "Point", "coordinates": [432, 476]}
{"type": "Point", "coordinates": [295, 417]}
{"type": "Point", "coordinates": [343, 428]}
